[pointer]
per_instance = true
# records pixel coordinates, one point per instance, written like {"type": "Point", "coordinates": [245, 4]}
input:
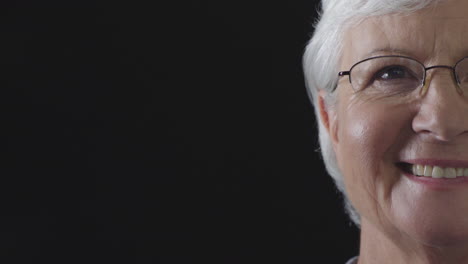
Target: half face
{"type": "Point", "coordinates": [383, 143]}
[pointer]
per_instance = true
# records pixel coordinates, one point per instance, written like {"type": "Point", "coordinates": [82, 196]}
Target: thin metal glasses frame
{"type": "Point", "coordinates": [343, 73]}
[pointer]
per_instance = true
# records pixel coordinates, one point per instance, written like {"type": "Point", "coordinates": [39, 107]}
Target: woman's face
{"type": "Point", "coordinates": [377, 138]}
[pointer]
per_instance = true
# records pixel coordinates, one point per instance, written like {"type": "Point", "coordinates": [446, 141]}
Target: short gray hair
{"type": "Point", "coordinates": [322, 57]}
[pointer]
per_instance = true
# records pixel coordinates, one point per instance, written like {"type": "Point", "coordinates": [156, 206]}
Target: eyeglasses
{"type": "Point", "coordinates": [394, 74]}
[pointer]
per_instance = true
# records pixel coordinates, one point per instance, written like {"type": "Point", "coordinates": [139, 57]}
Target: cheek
{"type": "Point", "coordinates": [359, 135]}
{"type": "Point", "coordinates": [366, 136]}
{"type": "Point", "coordinates": [368, 140]}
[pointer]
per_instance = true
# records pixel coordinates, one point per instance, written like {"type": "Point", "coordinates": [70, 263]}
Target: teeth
{"type": "Point", "coordinates": [450, 173]}
{"type": "Point", "coordinates": [427, 171]}
{"type": "Point", "coordinates": [438, 172]}
{"type": "Point", "coordinates": [419, 169]}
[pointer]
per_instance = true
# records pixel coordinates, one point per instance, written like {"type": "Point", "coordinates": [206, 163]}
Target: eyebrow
{"type": "Point", "coordinates": [403, 52]}
{"type": "Point", "coordinates": [388, 50]}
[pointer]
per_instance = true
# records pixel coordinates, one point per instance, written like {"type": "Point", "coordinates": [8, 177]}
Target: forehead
{"type": "Point", "coordinates": [436, 33]}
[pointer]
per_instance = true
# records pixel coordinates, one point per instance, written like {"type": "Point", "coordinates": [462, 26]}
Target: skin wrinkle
{"type": "Point", "coordinates": [356, 98]}
{"type": "Point", "coordinates": [403, 222]}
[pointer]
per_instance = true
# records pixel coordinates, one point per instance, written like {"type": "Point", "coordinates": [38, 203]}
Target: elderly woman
{"type": "Point", "coordinates": [389, 82]}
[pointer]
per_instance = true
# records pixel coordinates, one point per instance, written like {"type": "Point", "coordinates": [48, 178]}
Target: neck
{"type": "Point", "coordinates": [379, 247]}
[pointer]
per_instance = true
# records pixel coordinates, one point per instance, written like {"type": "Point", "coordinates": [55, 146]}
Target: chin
{"type": "Point", "coordinates": [437, 229]}
{"type": "Point", "coordinates": [442, 237]}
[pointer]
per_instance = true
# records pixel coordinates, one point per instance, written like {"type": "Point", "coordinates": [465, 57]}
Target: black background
{"type": "Point", "coordinates": [149, 133]}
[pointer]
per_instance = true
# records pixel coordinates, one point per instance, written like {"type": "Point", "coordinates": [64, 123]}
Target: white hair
{"type": "Point", "coordinates": [322, 57]}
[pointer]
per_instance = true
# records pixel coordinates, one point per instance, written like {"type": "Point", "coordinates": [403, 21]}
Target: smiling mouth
{"type": "Point", "coordinates": [435, 172]}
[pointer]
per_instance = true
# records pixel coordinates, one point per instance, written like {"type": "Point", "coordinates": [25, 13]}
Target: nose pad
{"type": "Point", "coordinates": [428, 78]}
{"type": "Point", "coordinates": [425, 86]}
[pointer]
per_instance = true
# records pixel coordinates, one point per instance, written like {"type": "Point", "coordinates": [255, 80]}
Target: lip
{"type": "Point", "coordinates": [439, 162]}
{"type": "Point", "coordinates": [438, 183]}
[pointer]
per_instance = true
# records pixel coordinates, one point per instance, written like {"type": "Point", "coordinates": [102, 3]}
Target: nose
{"type": "Point", "coordinates": [443, 110]}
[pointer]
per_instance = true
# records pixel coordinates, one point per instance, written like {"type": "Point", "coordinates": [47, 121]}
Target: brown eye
{"type": "Point", "coordinates": [392, 73]}
{"type": "Point", "coordinates": [389, 74]}
{"type": "Point", "coordinates": [395, 79]}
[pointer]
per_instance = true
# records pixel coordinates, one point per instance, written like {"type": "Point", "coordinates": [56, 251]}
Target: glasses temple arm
{"type": "Point", "coordinates": [343, 73]}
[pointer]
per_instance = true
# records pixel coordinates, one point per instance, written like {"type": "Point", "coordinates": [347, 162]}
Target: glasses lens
{"type": "Point", "coordinates": [388, 75]}
{"type": "Point", "coordinates": [461, 70]}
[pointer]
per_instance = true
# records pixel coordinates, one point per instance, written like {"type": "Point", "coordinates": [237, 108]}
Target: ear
{"type": "Point", "coordinates": [328, 118]}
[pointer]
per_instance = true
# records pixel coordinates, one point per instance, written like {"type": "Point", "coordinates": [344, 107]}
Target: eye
{"type": "Point", "coordinates": [395, 72]}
